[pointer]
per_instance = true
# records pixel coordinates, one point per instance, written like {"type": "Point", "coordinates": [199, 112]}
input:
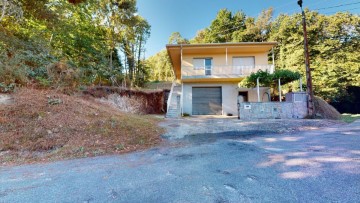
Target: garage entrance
{"type": "Point", "coordinates": [206, 101]}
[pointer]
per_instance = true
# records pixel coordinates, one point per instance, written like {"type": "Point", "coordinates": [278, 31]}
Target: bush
{"type": "Point", "coordinates": [12, 73]}
{"type": "Point", "coordinates": [62, 76]}
{"type": "Point", "coordinates": [7, 88]}
{"type": "Point", "coordinates": [44, 82]}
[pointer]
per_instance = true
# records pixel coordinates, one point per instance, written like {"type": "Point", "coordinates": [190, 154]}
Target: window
{"type": "Point", "coordinates": [243, 65]}
{"type": "Point", "coordinates": [199, 64]}
{"type": "Point", "coordinates": [203, 64]}
{"type": "Point", "coordinates": [207, 66]}
{"type": "Point", "coordinates": [244, 61]}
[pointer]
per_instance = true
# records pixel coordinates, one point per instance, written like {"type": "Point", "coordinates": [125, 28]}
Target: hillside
{"type": "Point", "coordinates": [44, 125]}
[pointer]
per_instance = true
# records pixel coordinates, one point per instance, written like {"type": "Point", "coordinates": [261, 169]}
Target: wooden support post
{"type": "Point", "coordinates": [309, 90]}
{"type": "Point", "coordinates": [279, 90]}
{"type": "Point", "coordinates": [273, 60]}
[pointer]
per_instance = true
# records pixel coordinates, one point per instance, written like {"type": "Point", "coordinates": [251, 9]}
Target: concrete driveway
{"type": "Point", "coordinates": [321, 165]}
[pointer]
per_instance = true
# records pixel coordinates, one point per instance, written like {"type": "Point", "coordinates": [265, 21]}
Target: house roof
{"type": "Point", "coordinates": [174, 50]}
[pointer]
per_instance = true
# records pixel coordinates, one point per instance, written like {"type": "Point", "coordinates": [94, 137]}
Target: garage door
{"type": "Point", "coordinates": [206, 101]}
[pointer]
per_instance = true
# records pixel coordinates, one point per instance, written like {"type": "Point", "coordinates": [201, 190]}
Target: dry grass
{"type": "Point", "coordinates": [32, 130]}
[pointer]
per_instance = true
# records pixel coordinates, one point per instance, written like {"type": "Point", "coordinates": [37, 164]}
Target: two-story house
{"type": "Point", "coordinates": [207, 76]}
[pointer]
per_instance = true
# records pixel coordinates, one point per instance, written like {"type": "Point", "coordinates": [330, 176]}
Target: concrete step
{"type": "Point", "coordinates": [172, 116]}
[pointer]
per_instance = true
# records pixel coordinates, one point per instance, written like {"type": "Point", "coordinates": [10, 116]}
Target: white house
{"type": "Point", "coordinates": [207, 76]}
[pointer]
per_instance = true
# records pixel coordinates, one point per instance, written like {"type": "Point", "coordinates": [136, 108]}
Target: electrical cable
{"type": "Point", "coordinates": [343, 10]}
{"type": "Point", "coordinates": [340, 5]}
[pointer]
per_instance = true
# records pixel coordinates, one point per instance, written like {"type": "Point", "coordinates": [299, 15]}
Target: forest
{"type": "Point", "coordinates": [71, 43]}
{"type": "Point", "coordinates": [77, 43]}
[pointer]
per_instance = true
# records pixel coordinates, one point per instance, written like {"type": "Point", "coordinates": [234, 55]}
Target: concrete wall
{"type": "Point", "coordinates": [252, 94]}
{"type": "Point", "coordinates": [272, 110]}
{"type": "Point", "coordinates": [229, 96]}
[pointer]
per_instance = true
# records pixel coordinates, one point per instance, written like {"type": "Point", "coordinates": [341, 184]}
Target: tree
{"type": "Point", "coordinates": [160, 67]}
{"type": "Point", "coordinates": [176, 38]}
{"type": "Point", "coordinates": [84, 36]}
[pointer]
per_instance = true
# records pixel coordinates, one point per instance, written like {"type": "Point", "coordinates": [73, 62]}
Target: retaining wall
{"type": "Point", "coordinates": [272, 110]}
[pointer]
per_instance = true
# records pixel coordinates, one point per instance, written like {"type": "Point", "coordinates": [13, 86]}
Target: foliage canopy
{"type": "Point", "coordinates": [267, 79]}
{"type": "Point", "coordinates": [101, 40]}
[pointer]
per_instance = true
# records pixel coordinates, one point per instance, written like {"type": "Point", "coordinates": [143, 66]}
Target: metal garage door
{"type": "Point", "coordinates": [206, 101]}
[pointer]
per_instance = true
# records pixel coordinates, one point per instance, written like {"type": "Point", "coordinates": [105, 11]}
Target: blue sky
{"type": "Point", "coordinates": [189, 16]}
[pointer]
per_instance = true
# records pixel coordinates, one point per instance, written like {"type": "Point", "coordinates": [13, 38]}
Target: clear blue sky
{"type": "Point", "coordinates": [189, 16]}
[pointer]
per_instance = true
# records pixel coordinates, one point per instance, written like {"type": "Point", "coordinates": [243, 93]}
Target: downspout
{"type": "Point", "coordinates": [258, 89]}
{"type": "Point", "coordinates": [226, 56]}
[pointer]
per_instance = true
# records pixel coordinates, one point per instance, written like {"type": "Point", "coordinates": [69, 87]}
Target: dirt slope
{"type": "Point", "coordinates": [43, 125]}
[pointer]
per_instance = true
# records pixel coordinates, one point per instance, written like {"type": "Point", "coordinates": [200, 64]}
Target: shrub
{"type": "Point", "coordinates": [62, 76]}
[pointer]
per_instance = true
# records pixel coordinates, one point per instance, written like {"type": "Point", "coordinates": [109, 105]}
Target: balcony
{"type": "Point", "coordinates": [226, 71]}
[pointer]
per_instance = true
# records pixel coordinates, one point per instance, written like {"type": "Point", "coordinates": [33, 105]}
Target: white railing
{"type": "Point", "coordinates": [223, 71]}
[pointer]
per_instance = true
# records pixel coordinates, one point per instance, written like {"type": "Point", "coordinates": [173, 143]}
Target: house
{"type": "Point", "coordinates": [207, 76]}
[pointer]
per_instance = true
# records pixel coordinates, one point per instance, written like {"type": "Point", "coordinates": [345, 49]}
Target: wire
{"type": "Point", "coordinates": [317, 3]}
{"type": "Point", "coordinates": [343, 10]}
{"type": "Point", "coordinates": [340, 5]}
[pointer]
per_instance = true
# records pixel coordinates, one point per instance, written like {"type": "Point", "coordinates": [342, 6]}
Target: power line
{"type": "Point", "coordinates": [343, 10]}
{"type": "Point", "coordinates": [313, 4]}
{"type": "Point", "coordinates": [319, 2]}
{"type": "Point", "coordinates": [340, 5]}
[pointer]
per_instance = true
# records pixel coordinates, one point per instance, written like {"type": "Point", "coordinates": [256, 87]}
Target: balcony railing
{"type": "Point", "coordinates": [223, 71]}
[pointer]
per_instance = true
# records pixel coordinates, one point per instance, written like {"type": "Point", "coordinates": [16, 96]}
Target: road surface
{"type": "Point", "coordinates": [321, 165]}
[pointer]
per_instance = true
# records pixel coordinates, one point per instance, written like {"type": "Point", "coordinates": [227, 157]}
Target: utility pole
{"type": "Point", "coordinates": [309, 89]}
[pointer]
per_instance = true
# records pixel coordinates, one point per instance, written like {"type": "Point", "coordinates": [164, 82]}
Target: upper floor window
{"type": "Point", "coordinates": [203, 64]}
{"type": "Point", "coordinates": [248, 61]}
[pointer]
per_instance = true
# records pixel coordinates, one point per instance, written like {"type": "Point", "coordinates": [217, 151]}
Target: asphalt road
{"type": "Point", "coordinates": [320, 165]}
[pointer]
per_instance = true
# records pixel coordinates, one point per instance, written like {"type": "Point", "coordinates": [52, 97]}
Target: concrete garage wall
{"type": "Point", "coordinates": [272, 110]}
{"type": "Point", "coordinates": [229, 96]}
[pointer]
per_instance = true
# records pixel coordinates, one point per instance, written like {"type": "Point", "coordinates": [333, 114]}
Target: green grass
{"type": "Point", "coordinates": [349, 118]}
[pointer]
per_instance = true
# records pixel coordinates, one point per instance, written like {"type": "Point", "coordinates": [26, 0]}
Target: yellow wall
{"type": "Point", "coordinates": [220, 59]}
{"type": "Point", "coordinates": [219, 63]}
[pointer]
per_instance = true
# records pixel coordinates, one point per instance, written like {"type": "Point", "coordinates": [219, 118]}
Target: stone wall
{"type": "Point", "coordinates": [272, 110]}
